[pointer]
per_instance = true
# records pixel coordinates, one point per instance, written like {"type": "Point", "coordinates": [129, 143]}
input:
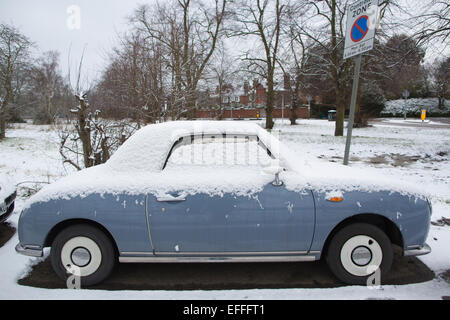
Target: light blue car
{"type": "Point", "coordinates": [210, 191]}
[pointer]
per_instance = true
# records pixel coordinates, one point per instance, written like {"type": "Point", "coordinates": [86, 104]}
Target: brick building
{"type": "Point", "coordinates": [250, 101]}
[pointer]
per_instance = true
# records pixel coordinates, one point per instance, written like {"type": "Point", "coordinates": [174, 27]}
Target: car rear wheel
{"type": "Point", "coordinates": [357, 251]}
{"type": "Point", "coordinates": [83, 251]}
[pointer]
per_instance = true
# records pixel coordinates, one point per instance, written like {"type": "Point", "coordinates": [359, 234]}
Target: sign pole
{"type": "Point", "coordinates": [362, 18]}
{"type": "Point", "coordinates": [309, 99]}
{"type": "Point", "coordinates": [405, 95]}
{"type": "Point", "coordinates": [352, 107]}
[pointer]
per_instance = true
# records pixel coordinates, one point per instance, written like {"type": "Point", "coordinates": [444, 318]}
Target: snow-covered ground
{"type": "Point", "coordinates": [412, 154]}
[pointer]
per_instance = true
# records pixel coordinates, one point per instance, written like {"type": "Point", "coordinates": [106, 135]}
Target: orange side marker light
{"type": "Point", "coordinates": [336, 199]}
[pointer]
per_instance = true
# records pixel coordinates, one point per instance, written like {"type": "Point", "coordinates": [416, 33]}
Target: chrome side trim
{"type": "Point", "coordinates": [137, 254]}
{"type": "Point", "coordinates": [212, 259]}
{"type": "Point", "coordinates": [31, 251]}
{"type": "Point", "coordinates": [417, 250]}
{"type": "Point", "coordinates": [221, 253]}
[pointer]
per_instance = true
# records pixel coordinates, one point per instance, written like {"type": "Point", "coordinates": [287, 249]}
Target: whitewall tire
{"type": "Point", "coordinates": [85, 251]}
{"type": "Point", "coordinates": [83, 254]}
{"type": "Point", "coordinates": [357, 251]}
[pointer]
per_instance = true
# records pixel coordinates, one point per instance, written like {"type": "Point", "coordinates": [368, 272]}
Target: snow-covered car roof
{"type": "Point", "coordinates": [148, 148]}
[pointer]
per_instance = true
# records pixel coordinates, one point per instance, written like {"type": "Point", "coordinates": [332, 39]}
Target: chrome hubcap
{"type": "Point", "coordinates": [361, 256]}
{"type": "Point", "coordinates": [81, 257]}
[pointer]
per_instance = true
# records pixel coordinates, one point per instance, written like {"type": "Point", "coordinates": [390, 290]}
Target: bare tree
{"type": "Point", "coordinates": [397, 64]}
{"type": "Point", "coordinates": [14, 53]}
{"type": "Point", "coordinates": [294, 63]}
{"type": "Point", "coordinates": [133, 83]}
{"type": "Point", "coordinates": [261, 19]}
{"type": "Point", "coordinates": [325, 52]}
{"type": "Point", "coordinates": [324, 31]}
{"type": "Point", "coordinates": [222, 73]}
{"type": "Point", "coordinates": [48, 88]}
{"type": "Point", "coordinates": [90, 140]}
{"type": "Point", "coordinates": [433, 23]}
{"type": "Point", "coordinates": [189, 33]}
{"type": "Point", "coordinates": [441, 75]}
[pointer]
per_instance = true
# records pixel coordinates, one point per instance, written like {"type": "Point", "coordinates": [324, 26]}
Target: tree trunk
{"type": "Point", "coordinates": [3, 112]}
{"type": "Point", "coordinates": [441, 102]}
{"type": "Point", "coordinates": [270, 103]}
{"type": "Point", "coordinates": [5, 102]}
{"type": "Point", "coordinates": [340, 114]}
{"type": "Point", "coordinates": [2, 124]}
{"type": "Point", "coordinates": [359, 118]}
{"type": "Point", "coordinates": [293, 116]}
{"type": "Point", "coordinates": [48, 110]}
{"type": "Point", "coordinates": [84, 133]}
{"type": "Point", "coordinates": [294, 102]}
{"type": "Point", "coordinates": [190, 106]}
{"type": "Point", "coordinates": [336, 78]}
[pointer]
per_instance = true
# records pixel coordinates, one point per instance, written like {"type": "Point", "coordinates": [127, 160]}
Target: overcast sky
{"type": "Point", "coordinates": [51, 27]}
{"type": "Point", "coordinates": [49, 24]}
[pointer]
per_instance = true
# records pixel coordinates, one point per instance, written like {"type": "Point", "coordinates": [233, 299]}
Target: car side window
{"type": "Point", "coordinates": [218, 150]}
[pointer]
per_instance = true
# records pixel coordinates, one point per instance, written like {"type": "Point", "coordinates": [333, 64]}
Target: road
{"type": "Point", "coordinates": [435, 123]}
{"type": "Point", "coordinates": [6, 233]}
{"type": "Point", "coordinates": [222, 276]}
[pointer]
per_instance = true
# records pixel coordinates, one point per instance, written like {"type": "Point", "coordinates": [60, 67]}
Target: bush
{"type": "Point", "coordinates": [413, 107]}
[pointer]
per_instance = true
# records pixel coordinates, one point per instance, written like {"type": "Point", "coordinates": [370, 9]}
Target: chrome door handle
{"type": "Point", "coordinates": [169, 198]}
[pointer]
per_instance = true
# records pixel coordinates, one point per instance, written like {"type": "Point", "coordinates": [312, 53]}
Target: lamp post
{"type": "Point", "coordinates": [309, 98]}
{"type": "Point", "coordinates": [405, 95]}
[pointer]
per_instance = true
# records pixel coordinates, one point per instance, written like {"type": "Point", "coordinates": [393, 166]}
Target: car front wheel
{"type": "Point", "coordinates": [83, 251]}
{"type": "Point", "coordinates": [357, 252]}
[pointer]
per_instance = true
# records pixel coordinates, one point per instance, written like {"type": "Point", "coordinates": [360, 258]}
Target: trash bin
{"type": "Point", "coordinates": [331, 115]}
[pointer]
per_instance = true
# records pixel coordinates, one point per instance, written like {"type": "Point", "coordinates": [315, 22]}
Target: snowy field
{"type": "Point", "coordinates": [420, 156]}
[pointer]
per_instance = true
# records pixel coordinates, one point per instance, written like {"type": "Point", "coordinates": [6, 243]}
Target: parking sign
{"type": "Point", "coordinates": [362, 18]}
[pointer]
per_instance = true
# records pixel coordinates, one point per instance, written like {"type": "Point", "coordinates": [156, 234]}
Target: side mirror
{"type": "Point", "coordinates": [274, 170]}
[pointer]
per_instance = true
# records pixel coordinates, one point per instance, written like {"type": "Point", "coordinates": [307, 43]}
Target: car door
{"type": "Point", "coordinates": [186, 223]}
{"type": "Point", "coordinates": [271, 220]}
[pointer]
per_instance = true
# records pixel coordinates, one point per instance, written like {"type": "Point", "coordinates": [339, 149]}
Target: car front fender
{"type": "Point", "coordinates": [410, 214]}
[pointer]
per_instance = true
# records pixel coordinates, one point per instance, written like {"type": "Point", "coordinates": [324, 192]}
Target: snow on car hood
{"type": "Point", "coordinates": [325, 176]}
{"type": "Point", "coordinates": [135, 168]}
